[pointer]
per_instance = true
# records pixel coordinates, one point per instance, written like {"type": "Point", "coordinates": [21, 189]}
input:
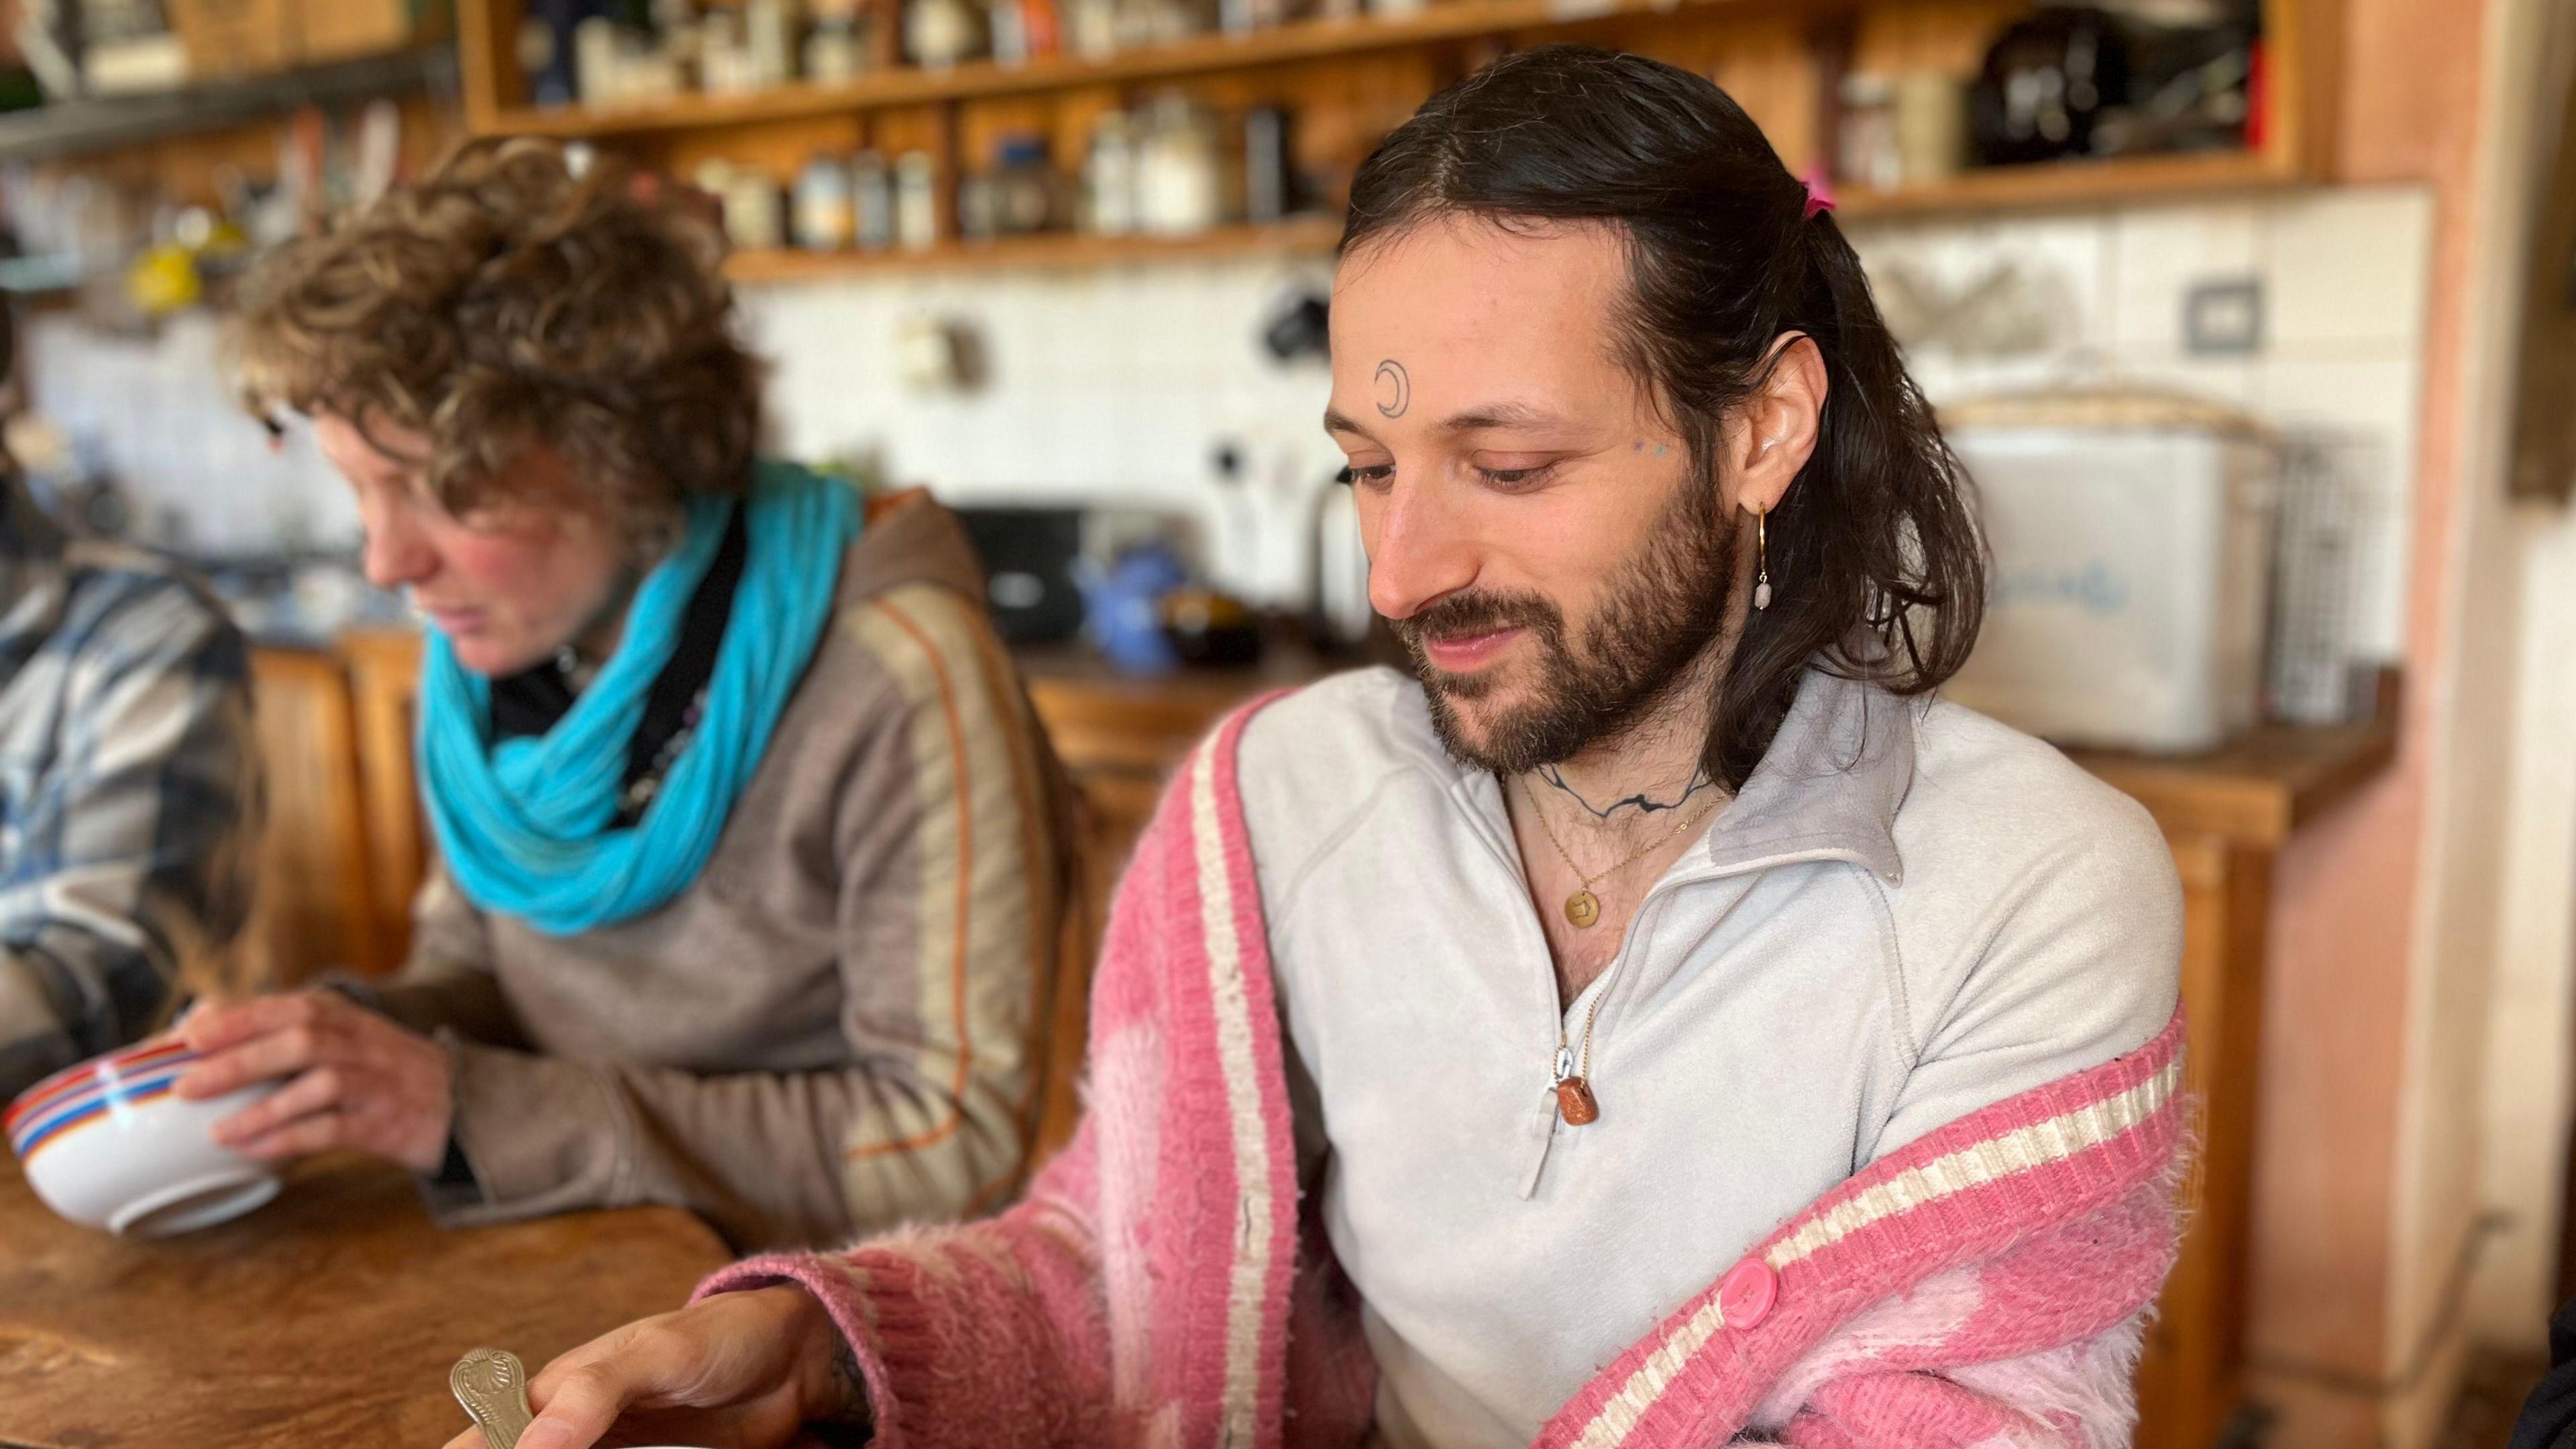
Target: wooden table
{"type": "Point", "coordinates": [329, 1317]}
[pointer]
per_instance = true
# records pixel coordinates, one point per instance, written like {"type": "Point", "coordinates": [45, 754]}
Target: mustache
{"type": "Point", "coordinates": [1479, 613]}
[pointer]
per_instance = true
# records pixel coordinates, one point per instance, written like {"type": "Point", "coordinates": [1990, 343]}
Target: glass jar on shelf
{"type": "Point", "coordinates": [940, 34]}
{"type": "Point", "coordinates": [916, 201]}
{"type": "Point", "coordinates": [872, 201]}
{"type": "Point", "coordinates": [1180, 168]}
{"type": "Point", "coordinates": [825, 219]}
{"type": "Point", "coordinates": [1024, 187]}
{"type": "Point", "coordinates": [1865, 152]}
{"type": "Point", "coordinates": [1109, 178]}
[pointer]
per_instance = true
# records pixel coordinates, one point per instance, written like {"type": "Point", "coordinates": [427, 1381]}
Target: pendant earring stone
{"type": "Point", "coordinates": [1582, 908]}
{"type": "Point", "coordinates": [1762, 595]}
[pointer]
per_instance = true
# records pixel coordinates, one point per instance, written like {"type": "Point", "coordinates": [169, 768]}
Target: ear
{"type": "Point", "coordinates": [1775, 430]}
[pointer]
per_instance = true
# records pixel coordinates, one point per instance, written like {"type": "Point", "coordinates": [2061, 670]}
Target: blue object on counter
{"type": "Point", "coordinates": [1123, 609]}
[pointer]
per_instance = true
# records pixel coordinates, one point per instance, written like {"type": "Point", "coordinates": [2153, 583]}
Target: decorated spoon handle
{"type": "Point", "coordinates": [493, 1386]}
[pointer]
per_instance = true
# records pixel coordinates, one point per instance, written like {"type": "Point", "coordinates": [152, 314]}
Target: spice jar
{"type": "Point", "coordinates": [825, 220]}
{"type": "Point", "coordinates": [916, 201]}
{"type": "Point", "coordinates": [1109, 178]}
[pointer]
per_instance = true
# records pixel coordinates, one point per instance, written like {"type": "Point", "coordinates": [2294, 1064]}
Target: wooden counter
{"type": "Point", "coordinates": [331, 1316]}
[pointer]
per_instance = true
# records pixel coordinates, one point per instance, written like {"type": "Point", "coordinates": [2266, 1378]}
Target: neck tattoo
{"type": "Point", "coordinates": [1642, 803]}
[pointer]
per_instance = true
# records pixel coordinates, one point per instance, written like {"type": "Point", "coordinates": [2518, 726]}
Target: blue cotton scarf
{"type": "Point", "coordinates": [528, 825]}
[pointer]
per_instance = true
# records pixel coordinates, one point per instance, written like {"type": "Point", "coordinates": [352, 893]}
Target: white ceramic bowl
{"type": "Point", "coordinates": [108, 1145]}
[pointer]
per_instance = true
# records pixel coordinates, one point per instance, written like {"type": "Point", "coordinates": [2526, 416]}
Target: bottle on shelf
{"type": "Point", "coordinates": [751, 201]}
{"type": "Point", "coordinates": [769, 42]}
{"type": "Point", "coordinates": [976, 218]}
{"type": "Point", "coordinates": [1109, 178]}
{"type": "Point", "coordinates": [1180, 171]}
{"type": "Point", "coordinates": [1269, 175]}
{"type": "Point", "coordinates": [1023, 188]}
{"type": "Point", "coordinates": [916, 201]}
{"type": "Point", "coordinates": [1007, 22]}
{"type": "Point", "coordinates": [941, 33]}
{"type": "Point", "coordinates": [1865, 149]}
{"type": "Point", "coordinates": [825, 218]}
{"type": "Point", "coordinates": [836, 48]}
{"type": "Point", "coordinates": [872, 201]}
{"type": "Point", "coordinates": [1041, 27]}
{"type": "Point", "coordinates": [1091, 28]}
{"type": "Point", "coordinates": [725, 63]}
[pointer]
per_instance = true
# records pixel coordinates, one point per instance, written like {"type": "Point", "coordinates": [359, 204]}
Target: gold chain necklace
{"type": "Point", "coordinates": [1583, 908]}
{"type": "Point", "coordinates": [1574, 1099]}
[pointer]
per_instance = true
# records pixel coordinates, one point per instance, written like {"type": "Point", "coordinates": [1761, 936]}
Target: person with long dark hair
{"type": "Point", "coordinates": [1653, 1019]}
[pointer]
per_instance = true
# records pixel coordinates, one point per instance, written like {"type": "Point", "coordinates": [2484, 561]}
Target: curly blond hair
{"type": "Point", "coordinates": [501, 300]}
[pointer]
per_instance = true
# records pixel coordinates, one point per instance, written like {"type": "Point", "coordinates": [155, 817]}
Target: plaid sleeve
{"type": "Point", "coordinates": [130, 779]}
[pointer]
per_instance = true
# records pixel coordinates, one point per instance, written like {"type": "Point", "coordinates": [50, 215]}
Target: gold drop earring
{"type": "Point", "coordinates": [1762, 553]}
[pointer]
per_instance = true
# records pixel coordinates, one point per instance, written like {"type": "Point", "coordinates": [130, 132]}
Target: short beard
{"type": "Point", "coordinates": [1666, 605]}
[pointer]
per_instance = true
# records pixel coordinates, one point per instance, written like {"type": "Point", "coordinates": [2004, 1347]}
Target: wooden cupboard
{"type": "Point", "coordinates": [1352, 73]}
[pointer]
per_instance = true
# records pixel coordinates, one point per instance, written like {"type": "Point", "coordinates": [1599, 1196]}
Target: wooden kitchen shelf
{"type": "Point", "coordinates": [977, 80]}
{"type": "Point", "coordinates": [2077, 183]}
{"type": "Point", "coordinates": [76, 127]}
{"type": "Point", "coordinates": [1348, 80]}
{"type": "Point", "coordinates": [2072, 183]}
{"type": "Point", "coordinates": [1304, 235]}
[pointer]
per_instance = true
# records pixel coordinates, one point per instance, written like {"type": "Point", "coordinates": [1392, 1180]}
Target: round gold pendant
{"type": "Point", "coordinates": [1582, 908]}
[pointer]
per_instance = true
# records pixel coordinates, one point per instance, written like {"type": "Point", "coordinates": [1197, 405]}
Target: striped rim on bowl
{"type": "Point", "coordinates": [65, 1102]}
{"type": "Point", "coordinates": [75, 1078]}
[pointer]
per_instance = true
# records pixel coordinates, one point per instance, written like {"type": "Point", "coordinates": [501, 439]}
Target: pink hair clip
{"type": "Point", "coordinates": [1820, 195]}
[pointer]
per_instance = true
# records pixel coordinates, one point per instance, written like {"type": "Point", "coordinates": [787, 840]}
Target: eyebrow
{"type": "Point", "coordinates": [1336, 422]}
{"type": "Point", "coordinates": [1492, 415]}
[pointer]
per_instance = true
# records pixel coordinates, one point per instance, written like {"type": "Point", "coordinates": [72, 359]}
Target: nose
{"type": "Point", "coordinates": [1419, 548]}
{"type": "Point", "coordinates": [398, 552]}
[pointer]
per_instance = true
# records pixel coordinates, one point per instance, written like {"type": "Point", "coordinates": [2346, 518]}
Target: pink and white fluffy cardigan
{"type": "Point", "coordinates": [1160, 1288]}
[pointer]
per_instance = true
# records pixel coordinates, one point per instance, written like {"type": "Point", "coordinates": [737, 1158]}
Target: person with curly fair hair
{"type": "Point", "coordinates": [752, 856]}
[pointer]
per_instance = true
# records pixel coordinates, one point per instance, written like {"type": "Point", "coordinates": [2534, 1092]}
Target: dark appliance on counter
{"type": "Point", "coordinates": [1029, 556]}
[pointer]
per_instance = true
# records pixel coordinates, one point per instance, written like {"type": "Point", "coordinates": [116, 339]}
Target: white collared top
{"type": "Point", "coordinates": [1908, 913]}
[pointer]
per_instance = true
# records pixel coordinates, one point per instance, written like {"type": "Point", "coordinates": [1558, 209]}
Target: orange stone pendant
{"type": "Point", "coordinates": [1575, 1103]}
{"type": "Point", "coordinates": [1582, 908]}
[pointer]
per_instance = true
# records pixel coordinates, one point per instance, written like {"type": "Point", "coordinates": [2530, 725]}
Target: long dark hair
{"type": "Point", "coordinates": [1877, 566]}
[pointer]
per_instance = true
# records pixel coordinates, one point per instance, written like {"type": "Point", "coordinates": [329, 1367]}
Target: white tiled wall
{"type": "Point", "coordinates": [2344, 275]}
{"type": "Point", "coordinates": [202, 473]}
{"type": "Point", "coordinates": [1118, 384]}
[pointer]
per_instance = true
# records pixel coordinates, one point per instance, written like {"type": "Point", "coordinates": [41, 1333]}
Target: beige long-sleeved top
{"type": "Point", "coordinates": [839, 1026]}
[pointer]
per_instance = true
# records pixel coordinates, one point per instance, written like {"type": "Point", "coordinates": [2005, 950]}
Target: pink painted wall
{"type": "Point", "coordinates": [2346, 892]}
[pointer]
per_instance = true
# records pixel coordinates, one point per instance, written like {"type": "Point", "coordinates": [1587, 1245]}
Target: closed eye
{"type": "Point", "coordinates": [1518, 478]}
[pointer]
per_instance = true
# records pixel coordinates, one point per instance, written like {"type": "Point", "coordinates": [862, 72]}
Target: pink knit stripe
{"type": "Point", "coordinates": [1260, 1005]}
{"type": "Point", "coordinates": [1190, 1247]}
{"type": "Point", "coordinates": [1225, 1246]}
{"type": "Point", "coordinates": [1961, 1192]}
{"type": "Point", "coordinates": [2158, 1058]}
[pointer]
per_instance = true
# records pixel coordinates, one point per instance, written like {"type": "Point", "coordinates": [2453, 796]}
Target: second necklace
{"type": "Point", "coordinates": [1583, 908]}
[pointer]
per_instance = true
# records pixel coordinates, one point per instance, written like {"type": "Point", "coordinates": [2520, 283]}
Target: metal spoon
{"type": "Point", "coordinates": [493, 1386]}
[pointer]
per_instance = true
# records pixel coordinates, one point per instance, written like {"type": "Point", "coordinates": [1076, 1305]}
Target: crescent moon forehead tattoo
{"type": "Point", "coordinates": [1394, 392]}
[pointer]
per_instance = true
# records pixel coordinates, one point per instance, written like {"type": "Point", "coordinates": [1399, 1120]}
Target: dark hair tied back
{"type": "Point", "coordinates": [1877, 567]}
